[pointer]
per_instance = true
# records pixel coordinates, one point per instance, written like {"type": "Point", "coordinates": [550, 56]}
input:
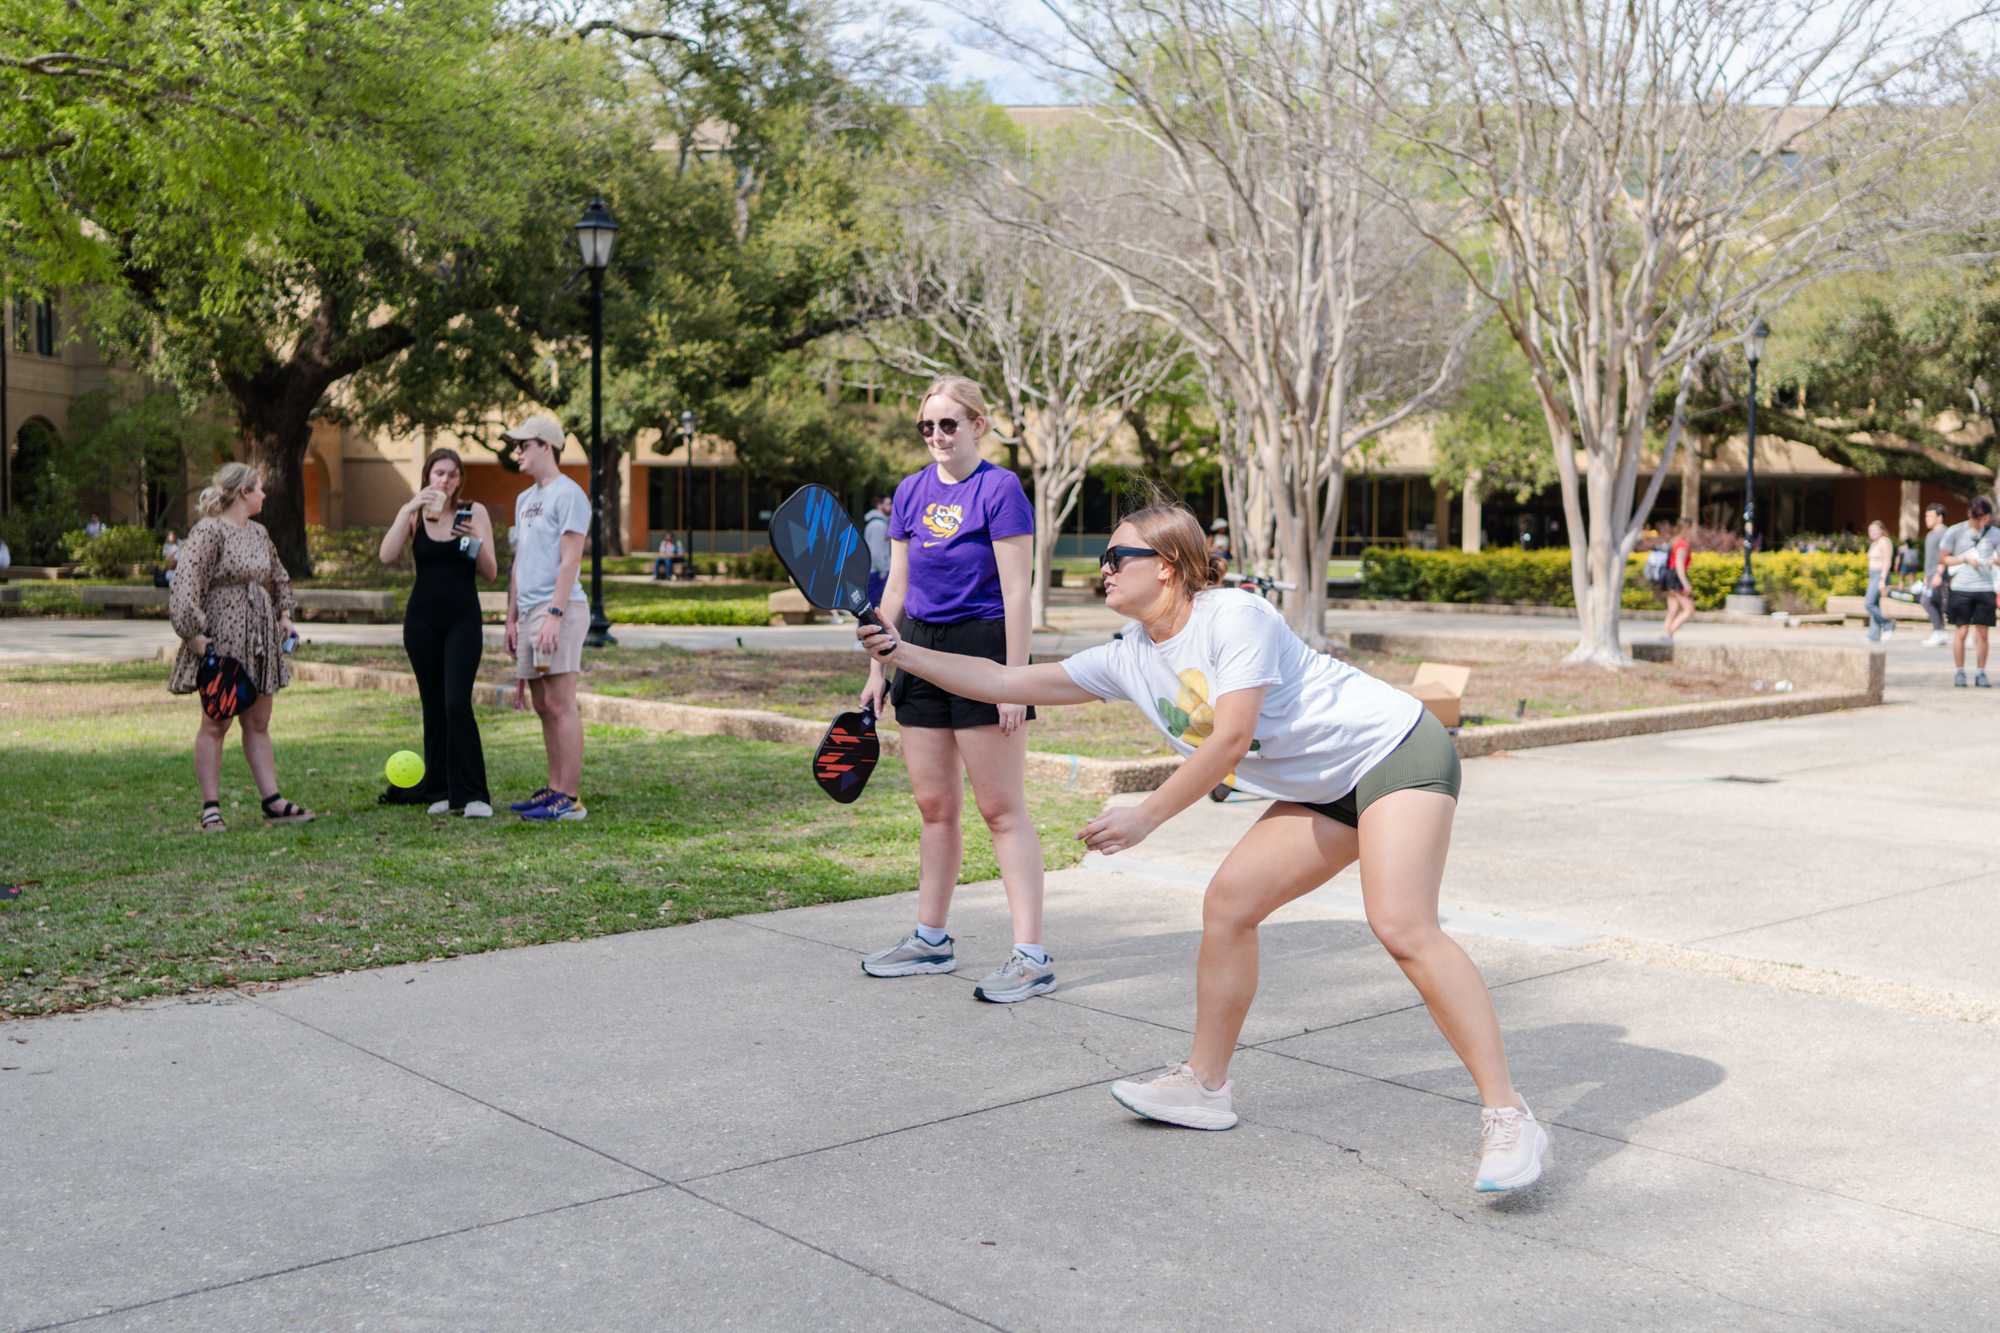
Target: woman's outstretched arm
{"type": "Point", "coordinates": [976, 677]}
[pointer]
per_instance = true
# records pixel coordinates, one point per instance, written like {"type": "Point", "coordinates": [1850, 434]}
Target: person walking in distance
{"type": "Point", "coordinates": [1969, 553]}
{"type": "Point", "coordinates": [875, 535]}
{"type": "Point", "coordinates": [547, 613]}
{"type": "Point", "coordinates": [1933, 575]}
{"type": "Point", "coordinates": [1679, 589]}
{"type": "Point", "coordinates": [1881, 566]}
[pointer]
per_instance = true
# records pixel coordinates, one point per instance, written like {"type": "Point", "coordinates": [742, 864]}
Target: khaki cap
{"type": "Point", "coordinates": [541, 426]}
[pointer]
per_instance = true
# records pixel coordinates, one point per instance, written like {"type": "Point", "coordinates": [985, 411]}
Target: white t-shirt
{"type": "Point", "coordinates": [542, 514]}
{"type": "Point", "coordinates": [1323, 723]}
{"type": "Point", "coordinates": [1982, 550]}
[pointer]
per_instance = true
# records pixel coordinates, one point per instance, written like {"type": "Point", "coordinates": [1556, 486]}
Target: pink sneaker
{"type": "Point", "coordinates": [1178, 1098]}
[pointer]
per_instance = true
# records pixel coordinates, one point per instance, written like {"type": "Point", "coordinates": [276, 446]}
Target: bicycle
{"type": "Point", "coordinates": [1259, 584]}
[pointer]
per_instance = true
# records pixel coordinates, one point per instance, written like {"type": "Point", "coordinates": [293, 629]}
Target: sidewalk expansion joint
{"type": "Point", "coordinates": [332, 1259]}
{"type": "Point", "coordinates": [460, 1092]}
{"type": "Point", "coordinates": [839, 1258]}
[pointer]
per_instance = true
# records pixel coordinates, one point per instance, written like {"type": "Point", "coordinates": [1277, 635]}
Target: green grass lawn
{"type": "Point", "coordinates": [122, 898]}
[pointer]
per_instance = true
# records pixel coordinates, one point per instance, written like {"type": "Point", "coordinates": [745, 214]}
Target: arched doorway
{"type": "Point", "coordinates": [35, 446]}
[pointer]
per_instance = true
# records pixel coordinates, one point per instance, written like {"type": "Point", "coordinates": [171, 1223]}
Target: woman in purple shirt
{"type": "Point", "coordinates": [959, 563]}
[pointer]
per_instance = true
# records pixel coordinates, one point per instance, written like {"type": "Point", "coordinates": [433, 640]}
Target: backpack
{"type": "Point", "coordinates": [1658, 573]}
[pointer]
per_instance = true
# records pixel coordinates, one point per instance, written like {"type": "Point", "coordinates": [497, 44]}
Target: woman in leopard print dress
{"type": "Point", "coordinates": [231, 594]}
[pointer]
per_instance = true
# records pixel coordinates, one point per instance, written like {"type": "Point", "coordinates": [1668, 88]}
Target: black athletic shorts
{"type": "Point", "coordinates": [919, 703]}
{"type": "Point", "coordinates": [1969, 608]}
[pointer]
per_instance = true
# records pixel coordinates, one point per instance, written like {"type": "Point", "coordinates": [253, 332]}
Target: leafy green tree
{"type": "Point", "coordinates": [401, 160]}
{"type": "Point", "coordinates": [1493, 428]}
{"type": "Point", "coordinates": [738, 183]}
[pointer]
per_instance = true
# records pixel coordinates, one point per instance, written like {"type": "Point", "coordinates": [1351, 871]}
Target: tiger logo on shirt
{"type": "Point", "coordinates": [1190, 716]}
{"type": "Point", "coordinates": [942, 520]}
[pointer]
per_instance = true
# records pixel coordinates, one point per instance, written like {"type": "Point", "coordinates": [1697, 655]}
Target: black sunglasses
{"type": "Point", "coordinates": [948, 425]}
{"type": "Point", "coordinates": [1115, 556]}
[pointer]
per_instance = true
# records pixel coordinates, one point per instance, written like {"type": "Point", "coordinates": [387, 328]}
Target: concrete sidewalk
{"type": "Point", "coordinates": [1746, 975]}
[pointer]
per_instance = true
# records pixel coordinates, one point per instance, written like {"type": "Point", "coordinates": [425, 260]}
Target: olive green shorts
{"type": "Point", "coordinates": [1425, 761]}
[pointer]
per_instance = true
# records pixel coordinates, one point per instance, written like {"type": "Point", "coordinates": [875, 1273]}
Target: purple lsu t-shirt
{"type": "Point", "coordinates": [951, 531]}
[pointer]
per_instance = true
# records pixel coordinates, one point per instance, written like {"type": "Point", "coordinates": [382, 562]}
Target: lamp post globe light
{"type": "Point", "coordinates": [595, 235]}
{"type": "Point", "coordinates": [1743, 597]}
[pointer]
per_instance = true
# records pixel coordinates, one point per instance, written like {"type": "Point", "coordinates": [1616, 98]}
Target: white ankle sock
{"type": "Point", "coordinates": [931, 934]}
{"type": "Point", "coordinates": [1035, 952]}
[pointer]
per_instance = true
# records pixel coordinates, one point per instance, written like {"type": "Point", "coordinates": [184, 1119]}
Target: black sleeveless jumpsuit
{"type": "Point", "coordinates": [441, 633]}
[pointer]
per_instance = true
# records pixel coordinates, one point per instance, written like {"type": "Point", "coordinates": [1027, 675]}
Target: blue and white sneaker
{"type": "Point", "coordinates": [558, 807]}
{"type": "Point", "coordinates": [1019, 978]}
{"type": "Point", "coordinates": [541, 797]}
{"type": "Point", "coordinates": [911, 957]}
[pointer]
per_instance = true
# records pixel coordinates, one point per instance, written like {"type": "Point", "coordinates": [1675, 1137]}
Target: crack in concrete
{"type": "Point", "coordinates": [1362, 1161]}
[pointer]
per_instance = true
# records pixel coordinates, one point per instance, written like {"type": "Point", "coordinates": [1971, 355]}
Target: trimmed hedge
{"type": "Point", "coordinates": [1793, 581]}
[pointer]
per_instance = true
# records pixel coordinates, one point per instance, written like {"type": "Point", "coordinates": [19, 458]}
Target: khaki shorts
{"type": "Point", "coordinates": [575, 622]}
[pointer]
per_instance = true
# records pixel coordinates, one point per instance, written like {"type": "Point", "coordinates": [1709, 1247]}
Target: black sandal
{"type": "Point", "coordinates": [278, 810]}
{"type": "Point", "coordinates": [211, 818]}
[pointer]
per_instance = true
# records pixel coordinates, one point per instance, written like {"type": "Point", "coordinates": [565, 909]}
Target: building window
{"type": "Point", "coordinates": [34, 326]}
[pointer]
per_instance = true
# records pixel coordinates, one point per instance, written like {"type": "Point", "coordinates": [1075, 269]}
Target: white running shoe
{"type": "Point", "coordinates": [478, 810]}
{"type": "Point", "coordinates": [439, 808]}
{"type": "Point", "coordinates": [1937, 639]}
{"type": "Point", "coordinates": [1513, 1149]}
{"type": "Point", "coordinates": [1177, 1097]}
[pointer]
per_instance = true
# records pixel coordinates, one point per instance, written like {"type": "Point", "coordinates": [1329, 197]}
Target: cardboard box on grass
{"type": "Point", "coordinates": [1440, 686]}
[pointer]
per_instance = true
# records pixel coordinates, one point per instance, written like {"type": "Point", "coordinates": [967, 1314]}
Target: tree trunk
{"type": "Point", "coordinates": [275, 440]}
{"type": "Point", "coordinates": [1690, 480]}
{"type": "Point", "coordinates": [613, 488]}
{"type": "Point", "coordinates": [1601, 591]}
{"type": "Point", "coordinates": [1045, 550]}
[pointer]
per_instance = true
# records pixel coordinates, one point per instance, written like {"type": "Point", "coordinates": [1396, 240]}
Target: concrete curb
{"type": "Point", "coordinates": [1535, 610]}
{"type": "Point", "coordinates": [1649, 721]}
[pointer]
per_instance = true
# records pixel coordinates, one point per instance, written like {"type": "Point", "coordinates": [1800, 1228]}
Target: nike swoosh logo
{"type": "Point", "coordinates": [928, 544]}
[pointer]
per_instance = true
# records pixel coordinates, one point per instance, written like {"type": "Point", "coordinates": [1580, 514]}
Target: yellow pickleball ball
{"type": "Point", "coordinates": [405, 768]}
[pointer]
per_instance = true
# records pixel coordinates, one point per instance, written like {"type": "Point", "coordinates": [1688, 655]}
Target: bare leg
{"type": "Point", "coordinates": [1286, 854]}
{"type": "Point", "coordinates": [1980, 639]}
{"type": "Point", "coordinates": [257, 745]}
{"type": "Point", "coordinates": [208, 756]}
{"type": "Point", "coordinates": [1404, 838]}
{"type": "Point", "coordinates": [1958, 646]}
{"type": "Point", "coordinates": [931, 756]}
{"type": "Point", "coordinates": [562, 729]}
{"type": "Point", "coordinates": [998, 767]}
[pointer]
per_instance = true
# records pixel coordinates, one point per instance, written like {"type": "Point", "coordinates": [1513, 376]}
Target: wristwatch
{"type": "Point", "coordinates": [556, 611]}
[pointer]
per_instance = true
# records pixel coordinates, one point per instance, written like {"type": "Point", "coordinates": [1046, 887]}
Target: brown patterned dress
{"type": "Point", "coordinates": [230, 585]}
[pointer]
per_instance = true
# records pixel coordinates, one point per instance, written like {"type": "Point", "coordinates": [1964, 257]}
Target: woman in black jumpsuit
{"type": "Point", "coordinates": [441, 632]}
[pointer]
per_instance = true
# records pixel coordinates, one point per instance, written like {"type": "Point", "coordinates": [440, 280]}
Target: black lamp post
{"type": "Point", "coordinates": [687, 468]}
{"type": "Point", "coordinates": [1746, 585]}
{"type": "Point", "coordinates": [594, 236]}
